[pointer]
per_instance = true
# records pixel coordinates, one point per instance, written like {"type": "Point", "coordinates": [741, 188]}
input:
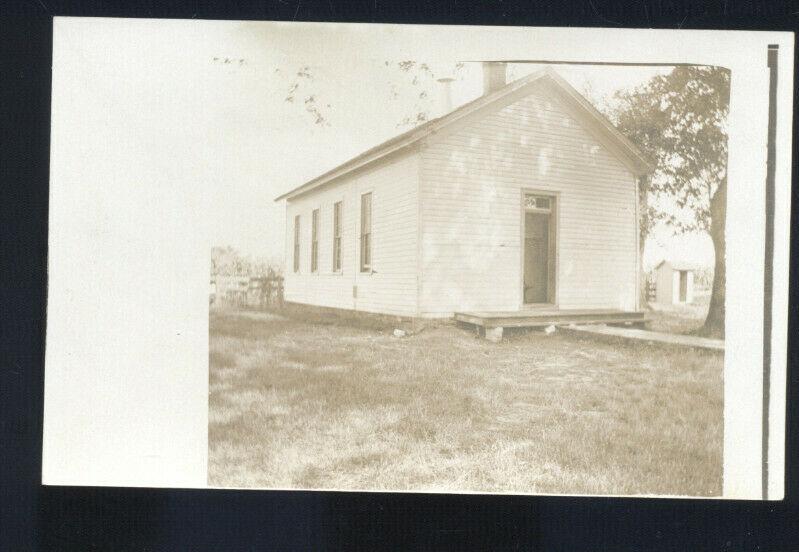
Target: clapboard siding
{"type": "Point", "coordinates": [392, 287]}
{"type": "Point", "coordinates": [470, 205]}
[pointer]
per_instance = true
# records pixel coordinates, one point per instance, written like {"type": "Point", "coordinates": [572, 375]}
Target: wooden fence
{"type": "Point", "coordinates": [262, 292]}
{"type": "Point", "coordinates": [651, 291]}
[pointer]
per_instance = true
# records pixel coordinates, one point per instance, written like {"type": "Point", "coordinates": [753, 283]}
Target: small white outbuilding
{"type": "Point", "coordinates": [674, 283]}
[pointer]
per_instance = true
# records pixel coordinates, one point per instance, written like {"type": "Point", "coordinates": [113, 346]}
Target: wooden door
{"type": "Point", "coordinates": [536, 257]}
{"type": "Point", "coordinates": [683, 286]}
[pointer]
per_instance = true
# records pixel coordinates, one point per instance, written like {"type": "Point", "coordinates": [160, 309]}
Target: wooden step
{"type": "Point", "coordinates": [533, 319]}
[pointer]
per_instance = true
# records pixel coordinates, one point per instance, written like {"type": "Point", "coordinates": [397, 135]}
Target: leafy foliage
{"type": "Point", "coordinates": [679, 120]}
{"type": "Point", "coordinates": [407, 79]}
{"type": "Point", "coordinates": [421, 78]}
{"type": "Point", "coordinates": [227, 261]}
{"type": "Point", "coordinates": [302, 80]}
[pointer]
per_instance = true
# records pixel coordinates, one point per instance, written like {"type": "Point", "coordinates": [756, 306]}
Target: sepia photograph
{"type": "Point", "coordinates": [419, 259]}
{"type": "Point", "coordinates": [521, 290]}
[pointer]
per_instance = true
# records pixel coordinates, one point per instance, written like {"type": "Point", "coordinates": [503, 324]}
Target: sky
{"type": "Point", "coordinates": [219, 115]}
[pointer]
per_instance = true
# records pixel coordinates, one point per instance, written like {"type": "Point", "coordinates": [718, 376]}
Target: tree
{"type": "Point", "coordinates": [302, 79]}
{"type": "Point", "coordinates": [679, 120]}
{"type": "Point", "coordinates": [405, 78]}
{"type": "Point", "coordinates": [227, 261]}
{"type": "Point", "coordinates": [418, 81]}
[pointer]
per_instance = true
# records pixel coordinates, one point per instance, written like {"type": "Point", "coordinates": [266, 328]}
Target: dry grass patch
{"type": "Point", "coordinates": [682, 319]}
{"type": "Point", "coordinates": [298, 405]}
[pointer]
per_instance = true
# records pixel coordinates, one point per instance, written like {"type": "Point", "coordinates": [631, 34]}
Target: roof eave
{"type": "Point", "coordinates": [639, 164]}
{"type": "Point", "coordinates": [412, 137]}
{"type": "Point", "coordinates": [344, 170]}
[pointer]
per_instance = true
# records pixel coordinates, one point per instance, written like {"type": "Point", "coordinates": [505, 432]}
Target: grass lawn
{"type": "Point", "coordinates": [294, 404]}
{"type": "Point", "coordinates": [680, 319]}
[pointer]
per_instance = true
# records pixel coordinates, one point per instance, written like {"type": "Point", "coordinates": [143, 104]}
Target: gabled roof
{"type": "Point", "coordinates": [638, 163]}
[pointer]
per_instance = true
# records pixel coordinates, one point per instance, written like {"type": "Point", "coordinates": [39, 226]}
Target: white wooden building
{"type": "Point", "coordinates": [674, 283]}
{"type": "Point", "coordinates": [525, 197]}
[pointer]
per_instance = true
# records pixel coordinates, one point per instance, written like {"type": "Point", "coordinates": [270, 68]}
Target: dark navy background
{"type": "Point", "coordinates": [33, 517]}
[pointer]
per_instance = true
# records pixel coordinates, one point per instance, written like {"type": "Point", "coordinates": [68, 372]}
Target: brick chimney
{"type": "Point", "coordinates": [494, 75]}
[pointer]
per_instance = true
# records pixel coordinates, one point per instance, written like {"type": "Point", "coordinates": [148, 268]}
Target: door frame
{"type": "Point", "coordinates": [554, 245]}
{"type": "Point", "coordinates": [682, 293]}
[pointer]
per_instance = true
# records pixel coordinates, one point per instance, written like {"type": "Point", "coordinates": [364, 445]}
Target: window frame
{"type": "Point", "coordinates": [315, 241]}
{"type": "Point", "coordinates": [553, 210]}
{"type": "Point", "coordinates": [366, 243]}
{"type": "Point", "coordinates": [296, 260]}
{"type": "Point", "coordinates": [338, 209]}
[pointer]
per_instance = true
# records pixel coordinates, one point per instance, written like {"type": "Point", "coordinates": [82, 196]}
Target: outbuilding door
{"type": "Point", "coordinates": [539, 249]}
{"type": "Point", "coordinates": [683, 286]}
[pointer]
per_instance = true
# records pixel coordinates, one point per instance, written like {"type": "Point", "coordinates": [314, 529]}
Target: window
{"type": "Point", "coordinates": [314, 240]}
{"type": "Point", "coordinates": [542, 202]}
{"type": "Point", "coordinates": [337, 237]}
{"type": "Point", "coordinates": [296, 243]}
{"type": "Point", "coordinates": [538, 202]}
{"type": "Point", "coordinates": [366, 232]}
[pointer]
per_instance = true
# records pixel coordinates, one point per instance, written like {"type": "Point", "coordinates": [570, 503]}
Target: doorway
{"type": "Point", "coordinates": [539, 250]}
{"type": "Point", "coordinates": [683, 286]}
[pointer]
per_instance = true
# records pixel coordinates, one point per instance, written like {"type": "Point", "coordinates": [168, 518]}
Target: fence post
{"type": "Point", "coordinates": [650, 291]}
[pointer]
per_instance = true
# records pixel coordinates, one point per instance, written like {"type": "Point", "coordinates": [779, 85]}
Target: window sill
{"type": "Point", "coordinates": [320, 273]}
